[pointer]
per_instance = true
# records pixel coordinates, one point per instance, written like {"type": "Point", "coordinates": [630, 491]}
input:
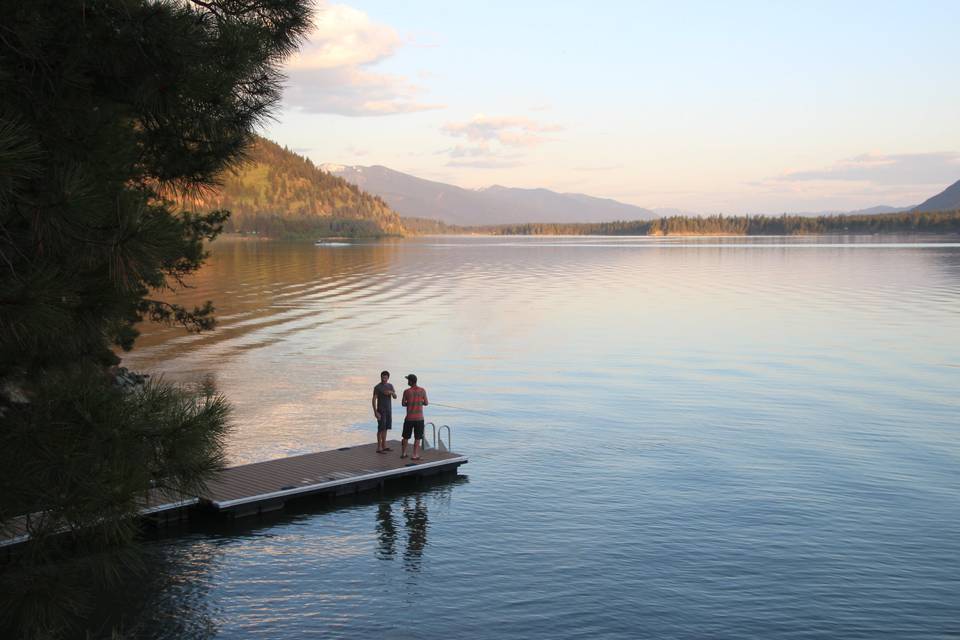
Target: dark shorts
{"type": "Point", "coordinates": [385, 422]}
{"type": "Point", "coordinates": [413, 426]}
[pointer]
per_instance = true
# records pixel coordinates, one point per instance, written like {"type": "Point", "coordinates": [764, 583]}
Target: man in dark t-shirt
{"type": "Point", "coordinates": [382, 394]}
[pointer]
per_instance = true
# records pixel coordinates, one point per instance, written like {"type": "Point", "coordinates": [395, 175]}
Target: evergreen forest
{"type": "Point", "coordinates": [905, 222]}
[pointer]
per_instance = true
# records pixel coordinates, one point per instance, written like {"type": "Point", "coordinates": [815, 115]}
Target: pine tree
{"type": "Point", "coordinates": [111, 112]}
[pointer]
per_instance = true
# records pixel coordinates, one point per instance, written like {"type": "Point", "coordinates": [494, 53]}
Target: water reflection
{"type": "Point", "coordinates": [269, 286]}
{"type": "Point", "coordinates": [414, 513]}
{"type": "Point", "coordinates": [415, 517]}
{"type": "Point", "coordinates": [166, 593]}
{"type": "Point", "coordinates": [386, 532]}
{"type": "Point", "coordinates": [950, 262]}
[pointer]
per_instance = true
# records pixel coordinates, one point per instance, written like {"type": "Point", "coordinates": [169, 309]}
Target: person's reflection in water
{"type": "Point", "coordinates": [386, 532]}
{"type": "Point", "coordinates": [416, 521]}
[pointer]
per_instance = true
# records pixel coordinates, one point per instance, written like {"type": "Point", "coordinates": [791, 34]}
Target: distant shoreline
{"type": "Point", "coordinates": [717, 225]}
{"type": "Point", "coordinates": [683, 235]}
{"type": "Point", "coordinates": [946, 222]}
{"type": "Point", "coordinates": [321, 240]}
{"type": "Point", "coordinates": [341, 230]}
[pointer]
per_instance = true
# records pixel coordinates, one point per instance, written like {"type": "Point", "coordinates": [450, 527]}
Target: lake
{"type": "Point", "coordinates": [668, 438]}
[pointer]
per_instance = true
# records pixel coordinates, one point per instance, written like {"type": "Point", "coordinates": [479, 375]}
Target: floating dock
{"type": "Point", "coordinates": [265, 486]}
{"type": "Point", "coordinates": [260, 487]}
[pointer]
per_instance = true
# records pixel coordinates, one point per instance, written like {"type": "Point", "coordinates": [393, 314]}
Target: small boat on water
{"type": "Point", "coordinates": [330, 243]}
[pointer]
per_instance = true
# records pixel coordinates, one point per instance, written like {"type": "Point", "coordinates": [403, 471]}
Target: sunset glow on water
{"type": "Point", "coordinates": [716, 437]}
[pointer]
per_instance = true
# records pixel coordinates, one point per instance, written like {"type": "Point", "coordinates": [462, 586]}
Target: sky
{"type": "Point", "coordinates": [711, 107]}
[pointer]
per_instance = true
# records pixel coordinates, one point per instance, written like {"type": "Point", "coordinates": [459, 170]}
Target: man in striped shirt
{"type": "Point", "coordinates": [414, 399]}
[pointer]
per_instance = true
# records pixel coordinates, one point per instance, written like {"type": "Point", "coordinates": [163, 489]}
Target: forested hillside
{"type": "Point", "coordinates": [280, 193]}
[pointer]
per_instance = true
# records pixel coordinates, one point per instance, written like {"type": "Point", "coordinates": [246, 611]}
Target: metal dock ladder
{"type": "Point", "coordinates": [438, 442]}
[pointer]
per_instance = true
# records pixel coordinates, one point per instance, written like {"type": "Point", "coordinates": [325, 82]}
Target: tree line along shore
{"type": "Point", "coordinates": [943, 222]}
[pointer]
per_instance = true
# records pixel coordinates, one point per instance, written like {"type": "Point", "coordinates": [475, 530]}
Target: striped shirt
{"type": "Point", "coordinates": [415, 399]}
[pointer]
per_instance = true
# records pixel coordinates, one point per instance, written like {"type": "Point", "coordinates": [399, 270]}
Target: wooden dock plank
{"type": "Point", "coordinates": [311, 472]}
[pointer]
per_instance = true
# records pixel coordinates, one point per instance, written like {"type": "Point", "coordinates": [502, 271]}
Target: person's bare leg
{"type": "Point", "coordinates": [403, 447]}
{"type": "Point", "coordinates": [416, 449]}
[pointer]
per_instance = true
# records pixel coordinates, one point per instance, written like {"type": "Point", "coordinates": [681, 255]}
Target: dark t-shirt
{"type": "Point", "coordinates": [384, 392]}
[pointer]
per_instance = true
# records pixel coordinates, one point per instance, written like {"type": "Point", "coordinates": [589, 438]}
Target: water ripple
{"type": "Point", "coordinates": [668, 438]}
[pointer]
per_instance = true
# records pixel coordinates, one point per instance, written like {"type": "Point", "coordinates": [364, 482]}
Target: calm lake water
{"type": "Point", "coordinates": [668, 438]}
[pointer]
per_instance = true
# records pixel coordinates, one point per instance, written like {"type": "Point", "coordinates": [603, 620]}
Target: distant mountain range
{"type": "Point", "coordinates": [418, 198]}
{"type": "Point", "coordinates": [280, 193]}
{"type": "Point", "coordinates": [414, 197]}
{"type": "Point", "coordinates": [877, 210]}
{"type": "Point", "coordinates": [946, 200]}
{"type": "Point", "coordinates": [871, 211]}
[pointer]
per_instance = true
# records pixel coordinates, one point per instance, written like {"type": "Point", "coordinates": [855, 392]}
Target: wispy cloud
{"type": "Point", "coordinates": [495, 142]}
{"type": "Point", "coordinates": [481, 157]}
{"type": "Point", "coordinates": [330, 72]}
{"type": "Point", "coordinates": [492, 163]}
{"type": "Point", "coordinates": [888, 170]}
{"type": "Point", "coordinates": [461, 151]}
{"type": "Point", "coordinates": [350, 91]}
{"type": "Point", "coordinates": [508, 131]}
{"type": "Point", "coordinates": [480, 151]}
